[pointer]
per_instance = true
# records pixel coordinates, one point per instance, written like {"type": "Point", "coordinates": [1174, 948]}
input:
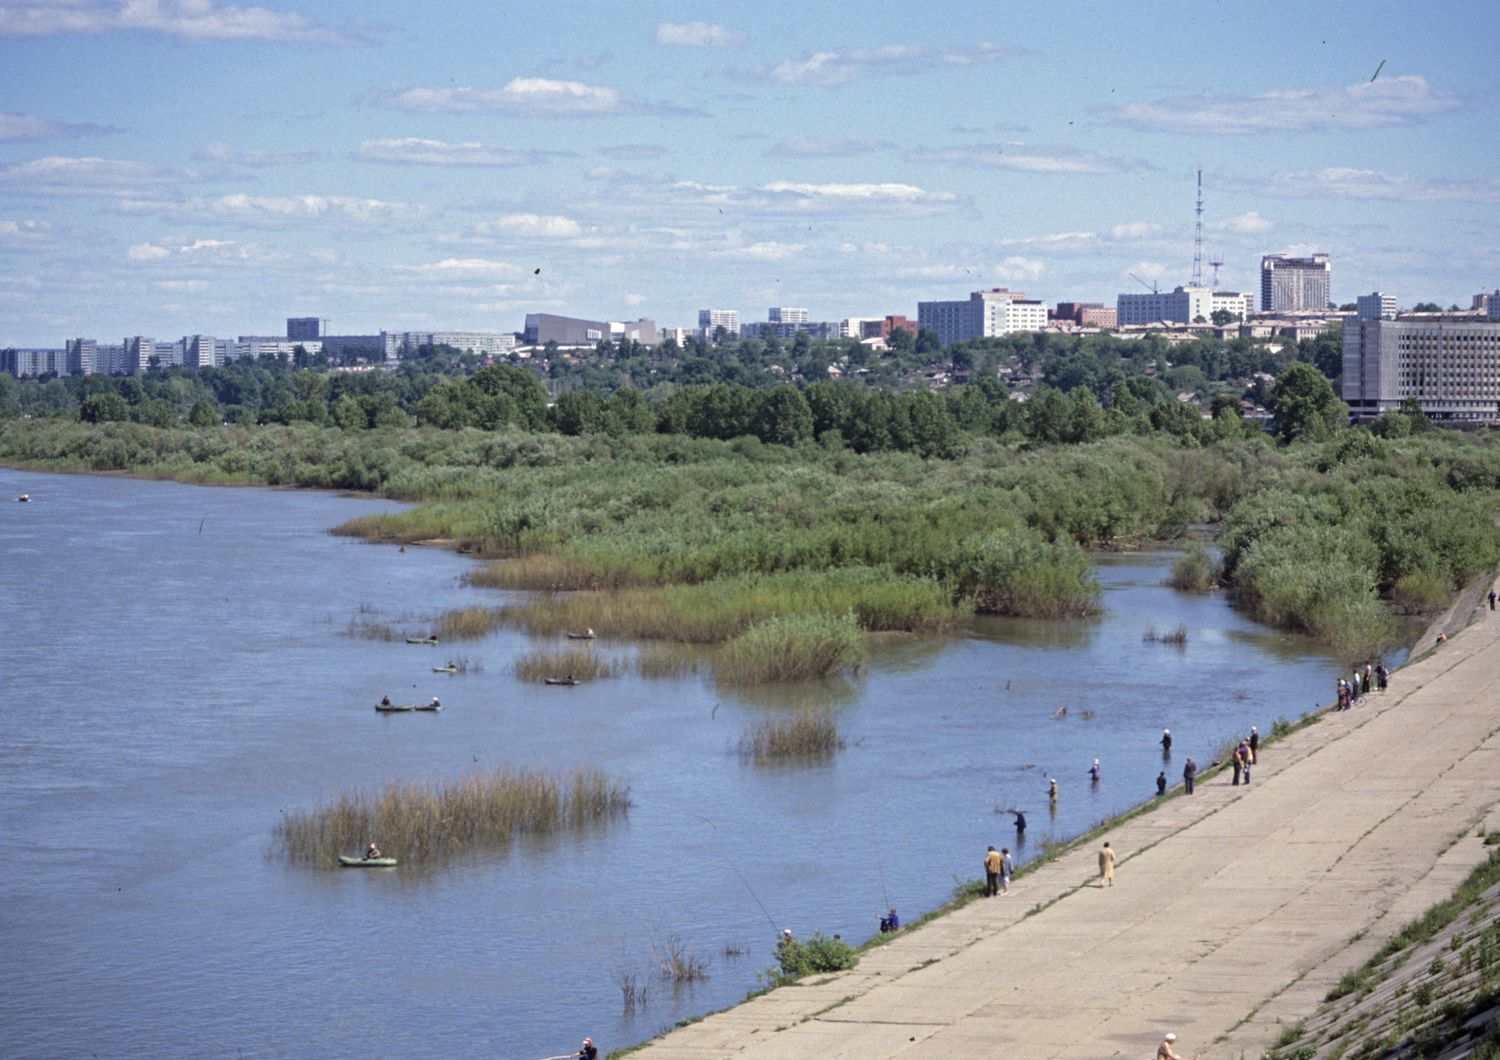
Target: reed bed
{"type": "Point", "coordinates": [1178, 637]}
{"type": "Point", "coordinates": [676, 964]}
{"type": "Point", "coordinates": [715, 611]}
{"type": "Point", "coordinates": [667, 661]}
{"type": "Point", "coordinates": [806, 735]}
{"type": "Point", "coordinates": [365, 630]}
{"type": "Point", "coordinates": [791, 648]}
{"type": "Point", "coordinates": [583, 664]}
{"type": "Point", "coordinates": [633, 993]}
{"type": "Point", "coordinates": [421, 822]}
{"type": "Point", "coordinates": [468, 623]}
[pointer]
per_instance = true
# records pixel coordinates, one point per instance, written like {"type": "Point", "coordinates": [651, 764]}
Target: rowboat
{"type": "Point", "coordinates": [560, 680]}
{"type": "Point", "coordinates": [445, 669]}
{"type": "Point", "coordinates": [23, 498]}
{"type": "Point", "coordinates": [581, 636]}
{"type": "Point", "coordinates": [366, 863]}
{"type": "Point", "coordinates": [428, 706]}
{"type": "Point", "coordinates": [394, 708]}
{"type": "Point", "coordinates": [421, 640]}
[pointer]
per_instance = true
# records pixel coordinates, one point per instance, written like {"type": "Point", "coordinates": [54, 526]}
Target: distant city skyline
{"type": "Point", "coordinates": [213, 168]}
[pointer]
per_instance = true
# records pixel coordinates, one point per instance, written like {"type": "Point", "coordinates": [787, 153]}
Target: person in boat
{"type": "Point", "coordinates": [385, 701]}
{"type": "Point", "coordinates": [451, 666]}
{"type": "Point", "coordinates": [372, 852]}
{"type": "Point", "coordinates": [435, 702]}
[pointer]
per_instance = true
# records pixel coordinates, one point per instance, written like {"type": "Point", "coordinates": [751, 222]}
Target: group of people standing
{"type": "Point", "coordinates": [1362, 682]}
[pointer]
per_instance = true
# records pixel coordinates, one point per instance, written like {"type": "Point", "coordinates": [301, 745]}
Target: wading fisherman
{"type": "Point", "coordinates": [1166, 741]}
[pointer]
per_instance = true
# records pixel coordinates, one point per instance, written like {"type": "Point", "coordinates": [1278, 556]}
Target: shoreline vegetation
{"type": "Point", "coordinates": [697, 540]}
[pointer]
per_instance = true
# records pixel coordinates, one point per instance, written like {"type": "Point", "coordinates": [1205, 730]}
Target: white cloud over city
{"type": "Point", "coordinates": [1363, 105]}
{"type": "Point", "coordinates": [198, 21]}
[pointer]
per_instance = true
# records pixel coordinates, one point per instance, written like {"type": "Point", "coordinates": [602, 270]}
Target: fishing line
{"type": "Point", "coordinates": [880, 865]}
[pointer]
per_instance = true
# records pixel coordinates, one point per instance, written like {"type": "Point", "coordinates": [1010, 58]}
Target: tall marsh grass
{"type": "Point", "coordinates": [791, 648]}
{"type": "Point", "coordinates": [480, 810]}
{"type": "Point", "coordinates": [583, 664]}
{"type": "Point", "coordinates": [806, 735]}
{"type": "Point", "coordinates": [467, 623]}
{"type": "Point", "coordinates": [667, 661]}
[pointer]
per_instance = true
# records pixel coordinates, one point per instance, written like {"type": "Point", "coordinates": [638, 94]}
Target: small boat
{"type": "Point", "coordinates": [421, 640]}
{"type": "Point", "coordinates": [587, 635]}
{"type": "Point", "coordinates": [394, 708]}
{"type": "Point", "coordinates": [428, 706]}
{"type": "Point", "coordinates": [445, 669]}
{"type": "Point", "coordinates": [560, 680]}
{"type": "Point", "coordinates": [23, 498]}
{"type": "Point", "coordinates": [366, 863]}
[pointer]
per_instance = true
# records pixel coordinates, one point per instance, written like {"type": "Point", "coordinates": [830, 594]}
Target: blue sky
{"type": "Point", "coordinates": [179, 166]}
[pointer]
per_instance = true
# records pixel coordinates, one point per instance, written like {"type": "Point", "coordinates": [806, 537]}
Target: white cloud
{"type": "Point", "coordinates": [469, 267]}
{"type": "Point", "coordinates": [191, 20]}
{"type": "Point", "coordinates": [697, 35]}
{"type": "Point", "coordinates": [414, 151]}
{"type": "Point", "coordinates": [541, 226]}
{"type": "Point", "coordinates": [147, 252]}
{"type": "Point", "coordinates": [890, 192]}
{"type": "Point", "coordinates": [1014, 269]}
{"type": "Point", "coordinates": [841, 67]}
{"type": "Point", "coordinates": [521, 95]}
{"type": "Point", "coordinates": [1134, 230]}
{"type": "Point", "coordinates": [15, 126]}
{"type": "Point", "coordinates": [1151, 270]}
{"type": "Point", "coordinates": [825, 147]}
{"type": "Point", "coordinates": [56, 175]}
{"type": "Point", "coordinates": [1025, 158]}
{"type": "Point", "coordinates": [635, 299]}
{"type": "Point", "coordinates": [1347, 183]}
{"type": "Point", "coordinates": [1365, 105]}
{"type": "Point", "coordinates": [765, 251]}
{"type": "Point", "coordinates": [228, 154]}
{"type": "Point", "coordinates": [28, 235]}
{"type": "Point", "coordinates": [1251, 223]}
{"type": "Point", "coordinates": [281, 210]}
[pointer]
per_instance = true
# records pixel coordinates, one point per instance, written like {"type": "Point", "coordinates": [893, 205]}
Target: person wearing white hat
{"type": "Point", "coordinates": [1164, 1051]}
{"type": "Point", "coordinates": [588, 1051]}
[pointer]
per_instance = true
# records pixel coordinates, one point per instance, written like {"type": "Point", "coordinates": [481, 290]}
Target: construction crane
{"type": "Point", "coordinates": [1149, 286]}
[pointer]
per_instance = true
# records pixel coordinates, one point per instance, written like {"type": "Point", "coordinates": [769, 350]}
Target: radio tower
{"type": "Point", "coordinates": [1198, 236]}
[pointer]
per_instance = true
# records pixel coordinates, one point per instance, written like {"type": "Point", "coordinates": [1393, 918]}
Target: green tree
{"type": "Point", "coordinates": [578, 412]}
{"type": "Point", "coordinates": [1304, 405]}
{"type": "Point", "coordinates": [204, 413]}
{"type": "Point", "coordinates": [1224, 316]}
{"type": "Point", "coordinates": [782, 417]}
{"type": "Point", "coordinates": [104, 408]}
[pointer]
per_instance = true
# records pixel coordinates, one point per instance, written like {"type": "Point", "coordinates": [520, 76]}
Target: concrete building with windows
{"type": "Point", "coordinates": [1375, 306]}
{"type": "Point", "coordinates": [1087, 314]}
{"type": "Point", "coordinates": [783, 314]}
{"type": "Point", "coordinates": [139, 349]}
{"type": "Point", "coordinates": [199, 351]}
{"type": "Point", "coordinates": [482, 343]}
{"type": "Point", "coordinates": [985, 314]}
{"type": "Point", "coordinates": [253, 346]}
{"type": "Point", "coordinates": [542, 328]}
{"type": "Point", "coordinates": [1290, 285]}
{"type": "Point", "coordinates": [711, 320]}
{"type": "Point", "coordinates": [1181, 305]}
{"type": "Point", "coordinates": [1449, 363]}
{"type": "Point", "coordinates": [32, 362]}
{"type": "Point", "coordinates": [81, 356]}
{"type": "Point", "coordinates": [301, 329]}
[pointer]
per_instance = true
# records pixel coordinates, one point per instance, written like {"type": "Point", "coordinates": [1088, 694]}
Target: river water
{"type": "Point", "coordinates": [175, 672]}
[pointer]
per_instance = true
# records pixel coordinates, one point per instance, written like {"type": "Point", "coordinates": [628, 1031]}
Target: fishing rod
{"type": "Point", "coordinates": [736, 870]}
{"type": "Point", "coordinates": [880, 865]}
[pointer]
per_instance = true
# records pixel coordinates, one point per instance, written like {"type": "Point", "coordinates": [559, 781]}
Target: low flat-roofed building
{"type": "Point", "coordinates": [542, 328]}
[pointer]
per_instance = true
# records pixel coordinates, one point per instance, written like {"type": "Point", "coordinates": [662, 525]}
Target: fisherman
{"type": "Point", "coordinates": [589, 633]}
{"type": "Point", "coordinates": [385, 701]}
{"type": "Point", "coordinates": [890, 922]}
{"type": "Point", "coordinates": [372, 852]}
{"type": "Point", "coordinates": [1094, 772]}
{"type": "Point", "coordinates": [1166, 741]}
{"type": "Point", "coordinates": [1020, 823]}
{"type": "Point", "coordinates": [786, 938]}
{"type": "Point", "coordinates": [1052, 789]}
{"type": "Point", "coordinates": [435, 703]}
{"type": "Point", "coordinates": [588, 1051]}
{"type": "Point", "coordinates": [1161, 782]}
{"type": "Point", "coordinates": [1254, 744]}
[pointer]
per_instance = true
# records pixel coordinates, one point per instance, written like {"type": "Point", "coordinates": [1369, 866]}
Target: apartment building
{"type": "Point", "coordinates": [1290, 285]}
{"type": "Point", "coordinates": [1449, 363]}
{"type": "Point", "coordinates": [985, 314]}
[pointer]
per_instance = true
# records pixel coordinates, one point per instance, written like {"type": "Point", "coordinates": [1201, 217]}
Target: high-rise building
{"type": "Point", "coordinates": [139, 349]}
{"type": "Point", "coordinates": [1486, 303]}
{"type": "Point", "coordinates": [1181, 305]}
{"type": "Point", "coordinates": [81, 356]}
{"type": "Point", "coordinates": [711, 320]}
{"type": "Point", "coordinates": [1289, 285]}
{"type": "Point", "coordinates": [984, 314]}
{"type": "Point", "coordinates": [306, 328]}
{"type": "Point", "coordinates": [1449, 363]}
{"type": "Point", "coordinates": [783, 314]}
{"type": "Point", "coordinates": [199, 351]}
{"type": "Point", "coordinates": [1375, 306]}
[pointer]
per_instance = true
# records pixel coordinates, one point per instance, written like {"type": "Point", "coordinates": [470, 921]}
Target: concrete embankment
{"type": "Point", "coordinates": [1233, 912]}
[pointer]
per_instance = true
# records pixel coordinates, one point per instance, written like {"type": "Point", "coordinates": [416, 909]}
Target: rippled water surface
{"type": "Point", "coordinates": [174, 673]}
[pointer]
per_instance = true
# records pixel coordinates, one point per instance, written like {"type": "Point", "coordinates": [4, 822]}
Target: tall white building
{"type": "Point", "coordinates": [199, 351]}
{"type": "Point", "coordinates": [785, 314]}
{"type": "Point", "coordinates": [711, 320]}
{"type": "Point", "coordinates": [81, 356]}
{"type": "Point", "coordinates": [139, 349]}
{"type": "Point", "coordinates": [1375, 306]}
{"type": "Point", "coordinates": [1181, 305]}
{"type": "Point", "coordinates": [1449, 364]}
{"type": "Point", "coordinates": [985, 314]}
{"type": "Point", "coordinates": [1288, 285]}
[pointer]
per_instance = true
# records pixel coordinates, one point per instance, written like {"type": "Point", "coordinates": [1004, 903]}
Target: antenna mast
{"type": "Point", "coordinates": [1198, 236]}
{"type": "Point", "coordinates": [1216, 261]}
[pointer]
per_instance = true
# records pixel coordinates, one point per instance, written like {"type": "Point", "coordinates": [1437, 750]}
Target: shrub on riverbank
{"type": "Point", "coordinates": [817, 954]}
{"type": "Point", "coordinates": [791, 648]}
{"type": "Point", "coordinates": [1016, 571]}
{"type": "Point", "coordinates": [806, 735]}
{"type": "Point", "coordinates": [1194, 571]}
{"type": "Point", "coordinates": [1420, 593]}
{"type": "Point", "coordinates": [481, 810]}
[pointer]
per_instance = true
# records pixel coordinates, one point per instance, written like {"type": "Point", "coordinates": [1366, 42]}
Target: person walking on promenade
{"type": "Point", "coordinates": [1007, 868]}
{"type": "Point", "coordinates": [1189, 771]}
{"type": "Point", "coordinates": [1245, 759]}
{"type": "Point", "coordinates": [1364, 680]}
{"type": "Point", "coordinates": [1492, 599]}
{"type": "Point", "coordinates": [1166, 742]}
{"type": "Point", "coordinates": [1254, 744]}
{"type": "Point", "coordinates": [1238, 761]}
{"type": "Point", "coordinates": [1161, 783]}
{"type": "Point", "coordinates": [1382, 677]}
{"type": "Point", "coordinates": [1343, 694]}
{"type": "Point", "coordinates": [1106, 867]}
{"type": "Point", "coordinates": [992, 863]}
{"type": "Point", "coordinates": [1164, 1051]}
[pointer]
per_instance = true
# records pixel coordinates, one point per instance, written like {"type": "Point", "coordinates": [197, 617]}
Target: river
{"type": "Point", "coordinates": [175, 672]}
